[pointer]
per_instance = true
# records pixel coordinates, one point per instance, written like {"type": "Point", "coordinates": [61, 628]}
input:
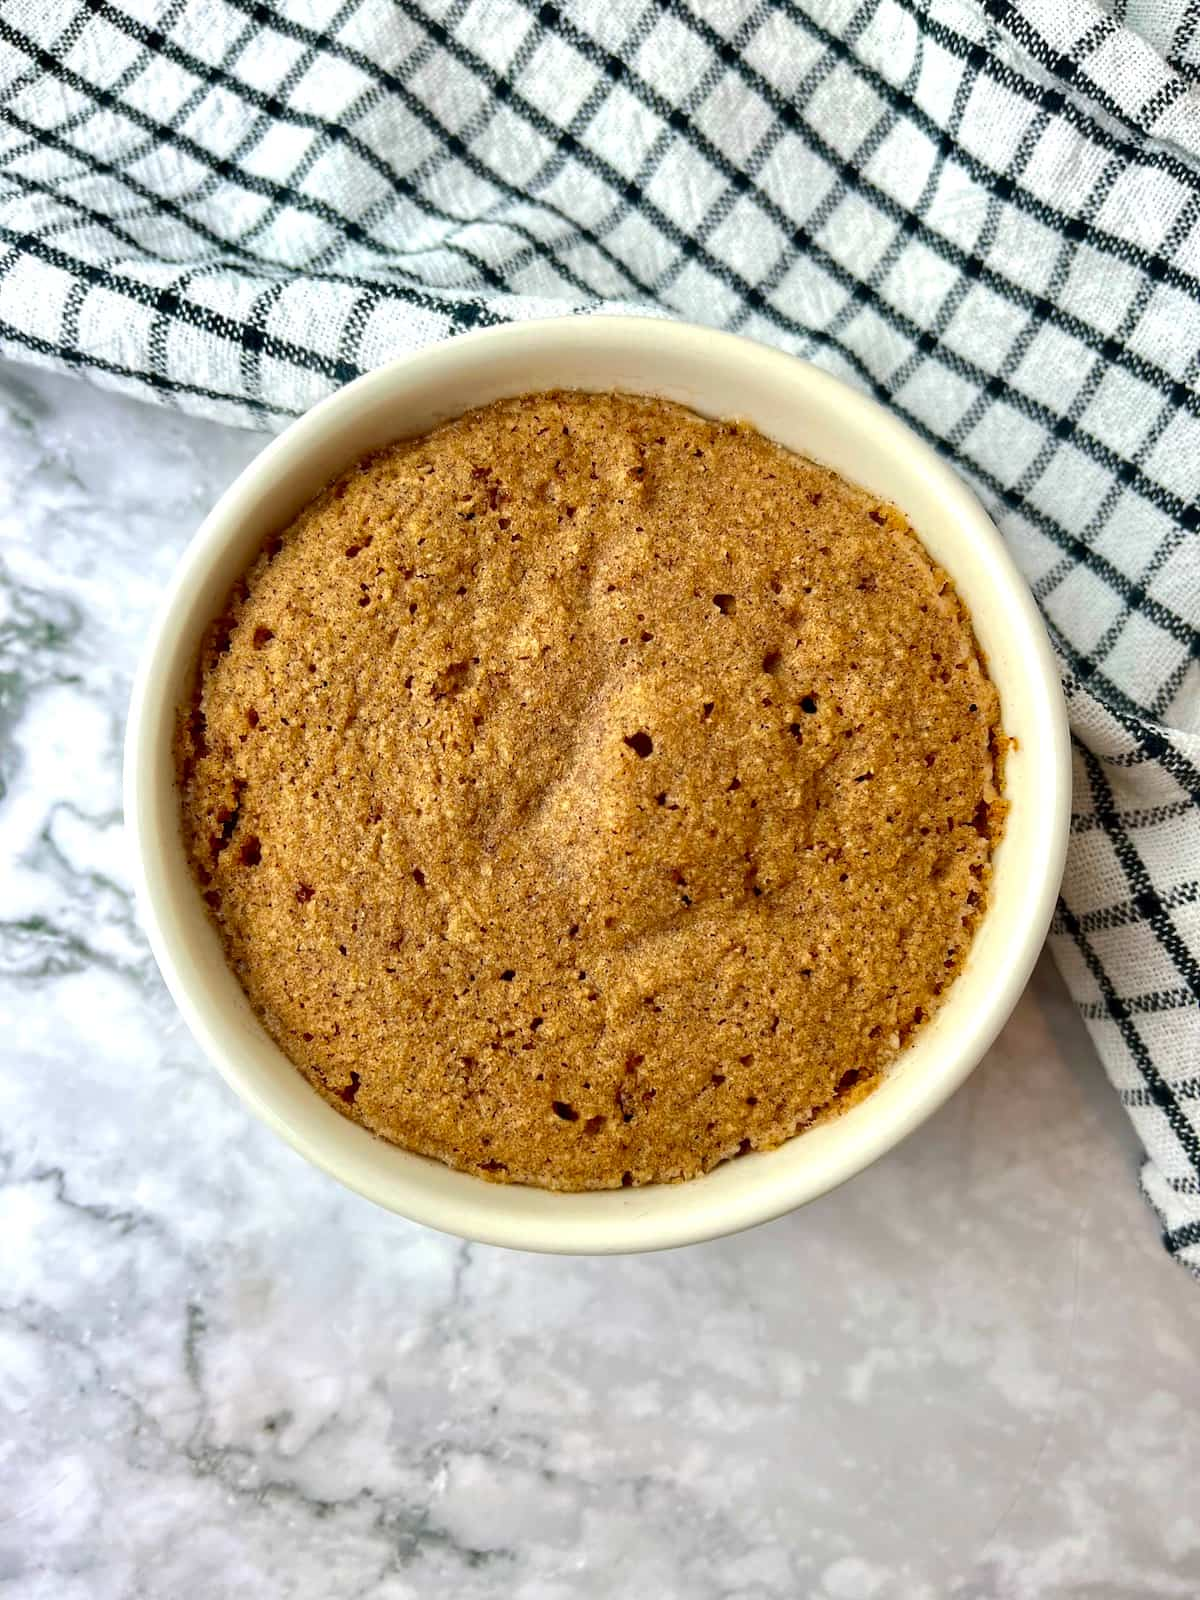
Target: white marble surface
{"type": "Point", "coordinates": [970, 1373]}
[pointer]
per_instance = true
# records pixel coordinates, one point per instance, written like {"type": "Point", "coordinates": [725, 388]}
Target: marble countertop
{"type": "Point", "coordinates": [971, 1373]}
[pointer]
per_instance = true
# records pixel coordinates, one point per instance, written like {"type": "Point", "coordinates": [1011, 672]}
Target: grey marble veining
{"type": "Point", "coordinates": [970, 1373]}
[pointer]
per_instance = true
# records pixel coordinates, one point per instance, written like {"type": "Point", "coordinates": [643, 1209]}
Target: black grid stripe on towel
{"type": "Point", "coordinates": [985, 214]}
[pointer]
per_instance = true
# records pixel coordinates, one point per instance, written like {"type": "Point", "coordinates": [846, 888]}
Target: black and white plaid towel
{"type": "Point", "coordinates": [986, 212]}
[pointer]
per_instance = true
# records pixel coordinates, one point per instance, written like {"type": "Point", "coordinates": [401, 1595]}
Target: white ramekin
{"type": "Point", "coordinates": [722, 376]}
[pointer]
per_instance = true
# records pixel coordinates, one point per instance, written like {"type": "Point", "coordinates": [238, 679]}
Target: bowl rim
{"type": "Point", "coordinates": [502, 1214]}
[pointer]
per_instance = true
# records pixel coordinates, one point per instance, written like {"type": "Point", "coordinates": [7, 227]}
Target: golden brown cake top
{"type": "Point", "coordinates": [587, 791]}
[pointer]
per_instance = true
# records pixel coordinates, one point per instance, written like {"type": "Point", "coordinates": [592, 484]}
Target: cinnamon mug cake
{"type": "Point", "coordinates": [588, 792]}
{"type": "Point", "coordinates": [584, 791]}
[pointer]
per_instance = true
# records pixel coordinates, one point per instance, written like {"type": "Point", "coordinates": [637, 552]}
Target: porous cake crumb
{"type": "Point", "coordinates": [586, 792]}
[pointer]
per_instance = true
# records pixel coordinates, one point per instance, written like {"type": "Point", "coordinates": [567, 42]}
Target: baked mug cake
{"type": "Point", "coordinates": [587, 792]}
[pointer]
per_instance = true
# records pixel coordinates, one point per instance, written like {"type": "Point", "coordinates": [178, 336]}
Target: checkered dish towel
{"type": "Point", "coordinates": [986, 214]}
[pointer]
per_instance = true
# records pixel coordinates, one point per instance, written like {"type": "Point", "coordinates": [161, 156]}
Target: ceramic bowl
{"type": "Point", "coordinates": [719, 375]}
